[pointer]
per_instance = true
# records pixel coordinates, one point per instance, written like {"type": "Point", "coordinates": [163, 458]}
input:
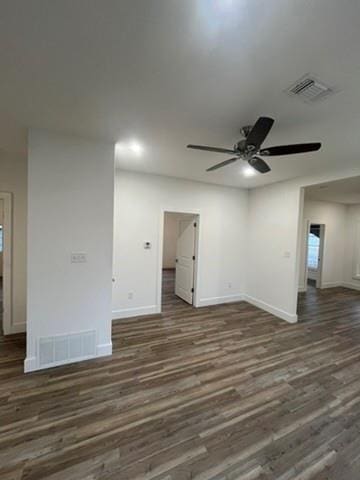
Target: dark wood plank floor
{"type": "Point", "coordinates": [218, 393]}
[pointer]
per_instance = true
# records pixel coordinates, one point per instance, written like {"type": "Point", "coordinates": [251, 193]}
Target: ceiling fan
{"type": "Point", "coordinates": [249, 149]}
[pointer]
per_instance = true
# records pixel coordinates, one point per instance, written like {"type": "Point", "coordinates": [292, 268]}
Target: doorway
{"type": "Point", "coordinates": [179, 259]}
{"type": "Point", "coordinates": [5, 263]}
{"type": "Point", "coordinates": [314, 257]}
{"type": "Point", "coordinates": [1, 264]}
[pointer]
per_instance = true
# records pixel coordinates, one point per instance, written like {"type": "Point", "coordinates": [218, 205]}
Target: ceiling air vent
{"type": "Point", "coordinates": [309, 89]}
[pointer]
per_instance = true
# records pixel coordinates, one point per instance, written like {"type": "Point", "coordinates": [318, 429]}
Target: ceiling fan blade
{"type": "Point", "coordinates": [259, 132]}
{"type": "Point", "coordinates": [210, 149]}
{"type": "Point", "coordinates": [222, 164]}
{"type": "Point", "coordinates": [290, 149]}
{"type": "Point", "coordinates": [259, 164]}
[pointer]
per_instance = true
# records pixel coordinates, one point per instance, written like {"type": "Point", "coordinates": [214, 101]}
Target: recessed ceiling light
{"type": "Point", "coordinates": [248, 171]}
{"type": "Point", "coordinates": [132, 146]}
{"type": "Point", "coordinates": [136, 147]}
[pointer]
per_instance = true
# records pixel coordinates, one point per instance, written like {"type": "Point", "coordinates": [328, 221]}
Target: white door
{"type": "Point", "coordinates": [185, 257]}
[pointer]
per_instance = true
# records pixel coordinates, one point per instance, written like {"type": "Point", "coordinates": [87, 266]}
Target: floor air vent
{"type": "Point", "coordinates": [309, 89]}
{"type": "Point", "coordinates": [62, 349]}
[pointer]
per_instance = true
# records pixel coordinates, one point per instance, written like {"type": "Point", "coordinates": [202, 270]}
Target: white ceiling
{"type": "Point", "coordinates": [171, 72]}
{"type": "Point", "coordinates": [341, 191]}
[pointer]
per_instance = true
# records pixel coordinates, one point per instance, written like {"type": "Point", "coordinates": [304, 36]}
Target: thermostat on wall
{"type": "Point", "coordinates": [147, 245]}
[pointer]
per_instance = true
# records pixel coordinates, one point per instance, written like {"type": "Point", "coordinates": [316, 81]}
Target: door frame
{"type": "Point", "coordinates": [321, 253]}
{"type": "Point", "coordinates": [7, 262]}
{"type": "Point", "coordinates": [319, 282]}
{"type": "Point", "coordinates": [187, 211]}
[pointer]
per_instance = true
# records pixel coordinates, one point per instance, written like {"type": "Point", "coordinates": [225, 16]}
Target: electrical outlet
{"type": "Point", "coordinates": [130, 295]}
{"type": "Point", "coordinates": [78, 258]}
{"type": "Point", "coordinates": [229, 285]}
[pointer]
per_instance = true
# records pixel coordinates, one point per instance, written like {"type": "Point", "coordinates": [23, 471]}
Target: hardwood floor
{"type": "Point", "coordinates": [222, 393]}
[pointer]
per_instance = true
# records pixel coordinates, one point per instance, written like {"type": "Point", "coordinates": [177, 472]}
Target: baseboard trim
{"type": "Point", "coordinates": [352, 286]}
{"type": "Point", "coordinates": [16, 328]}
{"type": "Point", "coordinates": [332, 285]}
{"type": "Point", "coordinates": [30, 364]}
{"type": "Point", "coordinates": [135, 312]}
{"type": "Point", "coordinates": [104, 349]}
{"type": "Point", "coordinates": [206, 302]}
{"type": "Point", "coordinates": [288, 317]}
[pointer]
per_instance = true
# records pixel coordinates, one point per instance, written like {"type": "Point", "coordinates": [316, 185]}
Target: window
{"type": "Point", "coordinates": [314, 247]}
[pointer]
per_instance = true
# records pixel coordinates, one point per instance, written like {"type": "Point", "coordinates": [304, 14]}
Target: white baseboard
{"type": "Point", "coordinates": [289, 317]}
{"type": "Point", "coordinates": [30, 364]}
{"type": "Point", "coordinates": [104, 349]}
{"type": "Point", "coordinates": [325, 285]}
{"type": "Point", "coordinates": [332, 284]}
{"type": "Point", "coordinates": [353, 286]}
{"type": "Point", "coordinates": [135, 312]}
{"type": "Point", "coordinates": [16, 328]}
{"type": "Point", "coordinates": [206, 302]}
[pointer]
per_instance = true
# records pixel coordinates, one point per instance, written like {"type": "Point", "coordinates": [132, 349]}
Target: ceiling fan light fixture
{"type": "Point", "coordinates": [248, 171]}
{"type": "Point", "coordinates": [136, 147]}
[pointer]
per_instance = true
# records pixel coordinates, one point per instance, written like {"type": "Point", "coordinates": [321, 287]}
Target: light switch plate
{"type": "Point", "coordinates": [78, 258]}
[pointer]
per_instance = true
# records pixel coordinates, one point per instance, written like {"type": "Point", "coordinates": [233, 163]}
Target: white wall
{"type": "Point", "coordinates": [333, 216]}
{"type": "Point", "coordinates": [13, 179]}
{"type": "Point", "coordinates": [70, 209]}
{"type": "Point", "coordinates": [139, 200]}
{"type": "Point", "coordinates": [272, 248]}
{"type": "Point", "coordinates": [171, 233]}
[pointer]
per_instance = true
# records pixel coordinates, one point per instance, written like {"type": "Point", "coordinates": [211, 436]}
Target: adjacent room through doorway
{"type": "Point", "coordinates": [330, 252]}
{"type": "Point", "coordinates": [1, 265]}
{"type": "Point", "coordinates": [315, 248]}
{"type": "Point", "coordinates": [179, 259]}
{"type": "Point", "coordinates": [6, 325]}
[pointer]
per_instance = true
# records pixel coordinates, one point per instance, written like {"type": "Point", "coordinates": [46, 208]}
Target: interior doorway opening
{"type": "Point", "coordinates": [314, 258]}
{"type": "Point", "coordinates": [179, 259]}
{"type": "Point", "coordinates": [1, 264]}
{"type": "Point", "coordinates": [5, 264]}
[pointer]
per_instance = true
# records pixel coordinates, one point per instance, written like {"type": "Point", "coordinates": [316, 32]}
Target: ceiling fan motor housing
{"type": "Point", "coordinates": [243, 150]}
{"type": "Point", "coordinates": [240, 147]}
